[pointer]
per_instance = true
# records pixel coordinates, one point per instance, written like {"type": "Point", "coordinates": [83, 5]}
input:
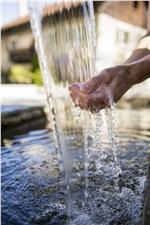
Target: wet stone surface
{"type": "Point", "coordinates": [13, 115]}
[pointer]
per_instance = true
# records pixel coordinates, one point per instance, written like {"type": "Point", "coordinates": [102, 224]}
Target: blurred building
{"type": "Point", "coordinates": [17, 40]}
{"type": "Point", "coordinates": [119, 25]}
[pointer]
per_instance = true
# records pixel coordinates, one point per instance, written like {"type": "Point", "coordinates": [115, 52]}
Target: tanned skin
{"type": "Point", "coordinates": [92, 95]}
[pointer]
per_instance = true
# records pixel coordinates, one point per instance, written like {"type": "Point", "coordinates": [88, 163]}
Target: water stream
{"type": "Point", "coordinates": [49, 88]}
{"type": "Point", "coordinates": [66, 51]}
{"type": "Point", "coordinates": [59, 37]}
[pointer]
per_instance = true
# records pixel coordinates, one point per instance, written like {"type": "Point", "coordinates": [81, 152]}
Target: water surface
{"type": "Point", "coordinates": [33, 191]}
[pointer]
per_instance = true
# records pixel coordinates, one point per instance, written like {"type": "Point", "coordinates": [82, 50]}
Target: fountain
{"type": "Point", "coordinates": [67, 54]}
{"type": "Point", "coordinates": [50, 49]}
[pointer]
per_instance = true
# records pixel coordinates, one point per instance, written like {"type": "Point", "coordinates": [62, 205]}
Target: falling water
{"type": "Point", "coordinates": [110, 118]}
{"type": "Point", "coordinates": [66, 51]}
{"type": "Point", "coordinates": [49, 88]}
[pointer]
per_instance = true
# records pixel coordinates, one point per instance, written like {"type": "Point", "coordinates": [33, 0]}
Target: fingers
{"type": "Point", "coordinates": [86, 87]}
{"type": "Point", "coordinates": [80, 99]}
{"type": "Point", "coordinates": [90, 85]}
{"type": "Point", "coordinates": [74, 92]}
{"type": "Point", "coordinates": [93, 102]}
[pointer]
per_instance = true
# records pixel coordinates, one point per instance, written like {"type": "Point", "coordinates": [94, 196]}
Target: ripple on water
{"type": "Point", "coordinates": [33, 192]}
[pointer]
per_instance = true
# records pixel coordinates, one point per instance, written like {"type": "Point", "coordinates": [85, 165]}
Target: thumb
{"type": "Point", "coordinates": [88, 86]}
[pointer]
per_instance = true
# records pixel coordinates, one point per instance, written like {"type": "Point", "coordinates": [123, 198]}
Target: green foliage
{"type": "Point", "coordinates": [35, 63]}
{"type": "Point", "coordinates": [37, 79]}
{"type": "Point", "coordinates": [20, 73]}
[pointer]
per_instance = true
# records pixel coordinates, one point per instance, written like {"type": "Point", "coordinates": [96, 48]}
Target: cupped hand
{"type": "Point", "coordinates": [94, 94]}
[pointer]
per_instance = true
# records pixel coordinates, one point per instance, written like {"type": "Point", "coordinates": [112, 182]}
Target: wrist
{"type": "Point", "coordinates": [125, 73]}
{"type": "Point", "coordinates": [139, 70]}
{"type": "Point", "coordinates": [131, 74]}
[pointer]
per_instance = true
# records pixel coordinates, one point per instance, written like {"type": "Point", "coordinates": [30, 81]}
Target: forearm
{"type": "Point", "coordinates": [137, 66]}
{"type": "Point", "coordinates": [137, 71]}
{"type": "Point", "coordinates": [136, 55]}
{"type": "Point", "coordinates": [142, 49]}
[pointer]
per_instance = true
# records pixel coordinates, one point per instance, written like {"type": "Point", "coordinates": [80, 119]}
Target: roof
{"type": "Point", "coordinates": [47, 11]}
{"type": "Point", "coordinates": [18, 22]}
{"type": "Point", "coordinates": [137, 18]}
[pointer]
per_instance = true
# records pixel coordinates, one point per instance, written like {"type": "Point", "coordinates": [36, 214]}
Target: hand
{"type": "Point", "coordinates": [94, 94]}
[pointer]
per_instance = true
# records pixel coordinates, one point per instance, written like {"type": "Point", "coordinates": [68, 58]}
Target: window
{"type": "Point", "coordinates": [12, 43]}
{"type": "Point", "coordinates": [122, 36]}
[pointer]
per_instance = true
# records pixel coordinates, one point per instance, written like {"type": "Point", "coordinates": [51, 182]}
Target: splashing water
{"type": "Point", "coordinates": [66, 52]}
{"type": "Point", "coordinates": [49, 88]}
{"type": "Point", "coordinates": [110, 118]}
